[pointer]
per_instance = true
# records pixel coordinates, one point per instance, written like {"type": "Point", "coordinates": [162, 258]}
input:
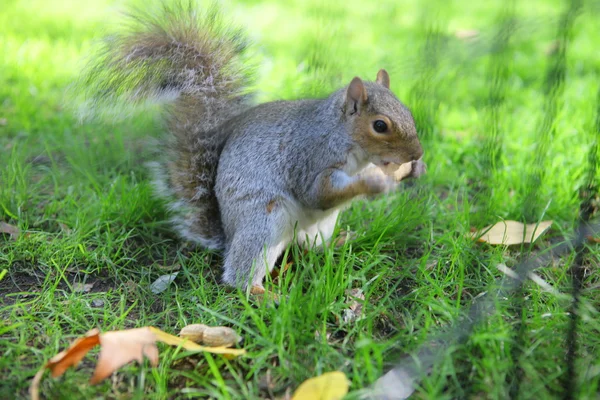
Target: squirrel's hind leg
{"type": "Point", "coordinates": [319, 233]}
{"type": "Point", "coordinates": [254, 249]}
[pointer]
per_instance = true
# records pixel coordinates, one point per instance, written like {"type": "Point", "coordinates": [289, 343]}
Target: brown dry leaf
{"type": "Point", "coordinates": [121, 347]}
{"type": "Point", "coordinates": [593, 239]}
{"type": "Point", "coordinates": [65, 359]}
{"type": "Point", "coordinates": [511, 232]}
{"type": "Point", "coordinates": [12, 230]}
{"type": "Point", "coordinates": [73, 354]}
{"type": "Point", "coordinates": [329, 386]}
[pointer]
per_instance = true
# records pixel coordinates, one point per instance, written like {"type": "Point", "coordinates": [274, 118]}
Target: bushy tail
{"type": "Point", "coordinates": [194, 60]}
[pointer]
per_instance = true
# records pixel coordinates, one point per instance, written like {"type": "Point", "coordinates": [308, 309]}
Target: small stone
{"type": "Point", "coordinates": [97, 303]}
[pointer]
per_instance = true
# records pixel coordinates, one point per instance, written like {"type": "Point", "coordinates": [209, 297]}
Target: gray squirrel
{"type": "Point", "coordinates": [249, 179]}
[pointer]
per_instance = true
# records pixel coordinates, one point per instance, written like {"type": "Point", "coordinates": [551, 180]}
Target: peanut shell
{"type": "Point", "coordinates": [220, 336]}
{"type": "Point", "coordinates": [193, 332]}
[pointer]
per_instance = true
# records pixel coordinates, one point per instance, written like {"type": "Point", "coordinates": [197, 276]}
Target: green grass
{"type": "Point", "coordinates": [82, 199]}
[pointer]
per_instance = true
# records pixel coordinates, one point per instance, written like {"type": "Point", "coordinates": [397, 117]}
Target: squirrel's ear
{"type": "Point", "coordinates": [356, 95]}
{"type": "Point", "coordinates": [383, 78]}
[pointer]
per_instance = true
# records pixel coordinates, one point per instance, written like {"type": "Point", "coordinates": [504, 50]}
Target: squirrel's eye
{"type": "Point", "coordinates": [380, 126]}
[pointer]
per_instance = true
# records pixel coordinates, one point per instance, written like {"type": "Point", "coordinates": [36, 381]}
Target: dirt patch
{"type": "Point", "coordinates": [17, 285]}
{"type": "Point", "coordinates": [24, 281]}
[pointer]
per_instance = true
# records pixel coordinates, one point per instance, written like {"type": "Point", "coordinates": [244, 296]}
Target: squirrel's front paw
{"type": "Point", "coordinates": [418, 168]}
{"type": "Point", "coordinates": [378, 182]}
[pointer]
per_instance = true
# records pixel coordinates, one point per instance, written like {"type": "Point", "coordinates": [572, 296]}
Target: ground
{"type": "Point", "coordinates": [506, 104]}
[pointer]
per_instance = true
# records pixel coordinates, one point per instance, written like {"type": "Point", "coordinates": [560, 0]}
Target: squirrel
{"type": "Point", "coordinates": [250, 179]}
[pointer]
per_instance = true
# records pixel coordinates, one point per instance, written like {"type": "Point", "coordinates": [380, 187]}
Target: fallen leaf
{"type": "Point", "coordinates": [82, 287]}
{"type": "Point", "coordinates": [73, 354]}
{"type": "Point", "coordinates": [354, 310]}
{"type": "Point", "coordinates": [119, 348]}
{"type": "Point", "coordinates": [511, 232]}
{"type": "Point", "coordinates": [65, 359]}
{"type": "Point", "coordinates": [12, 230]}
{"type": "Point", "coordinates": [329, 386]}
{"type": "Point", "coordinates": [162, 283]}
{"type": "Point", "coordinates": [593, 239]}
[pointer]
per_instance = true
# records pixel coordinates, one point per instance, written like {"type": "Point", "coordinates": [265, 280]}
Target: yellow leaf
{"type": "Point", "coordinates": [189, 345]}
{"type": "Point", "coordinates": [329, 386]}
{"type": "Point", "coordinates": [511, 232]}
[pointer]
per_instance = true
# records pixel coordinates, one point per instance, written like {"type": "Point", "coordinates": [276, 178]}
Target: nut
{"type": "Point", "coordinates": [213, 336]}
{"type": "Point", "coordinates": [220, 336]}
{"type": "Point", "coordinates": [193, 332]}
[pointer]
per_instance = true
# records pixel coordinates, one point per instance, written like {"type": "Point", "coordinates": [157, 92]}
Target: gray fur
{"type": "Point", "coordinates": [191, 59]}
{"type": "Point", "coordinates": [276, 152]}
{"type": "Point", "coordinates": [249, 179]}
